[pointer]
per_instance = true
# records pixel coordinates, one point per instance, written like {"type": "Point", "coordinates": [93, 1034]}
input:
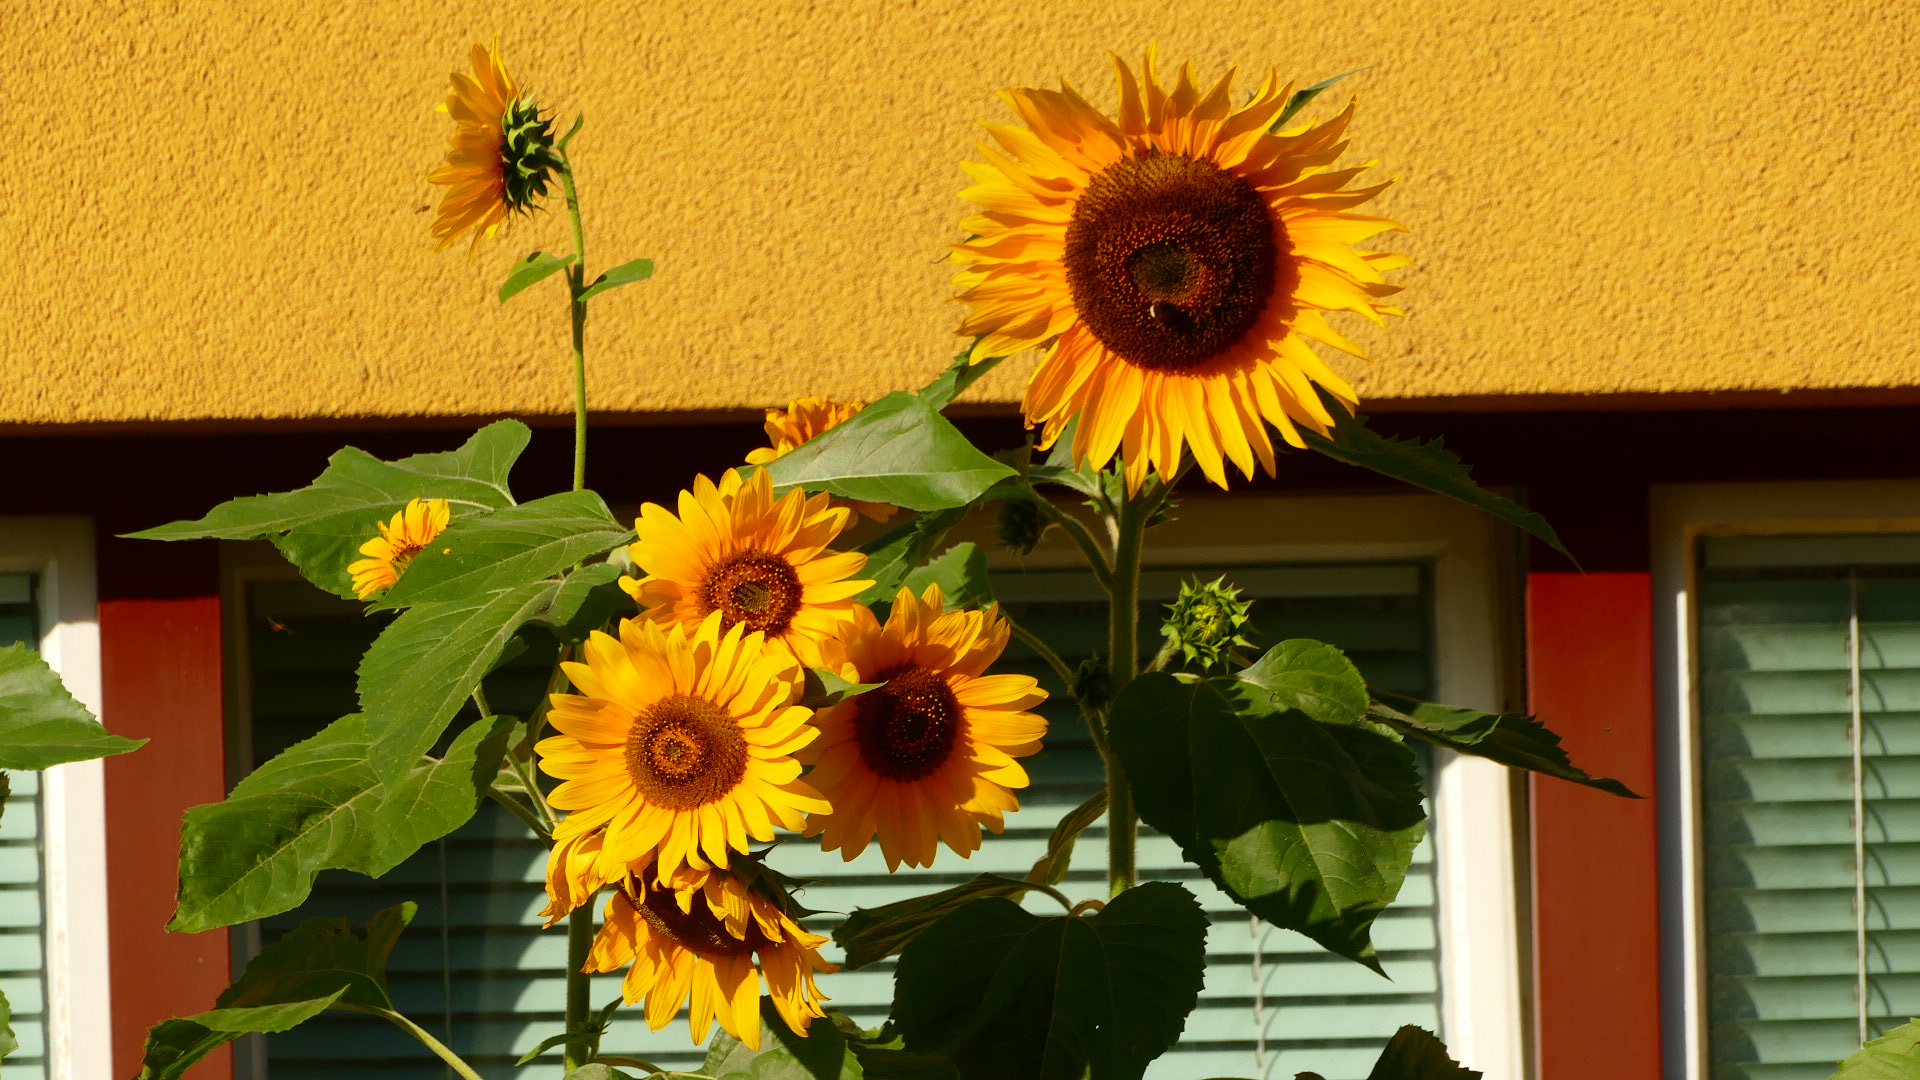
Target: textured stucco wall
{"type": "Point", "coordinates": [219, 210]}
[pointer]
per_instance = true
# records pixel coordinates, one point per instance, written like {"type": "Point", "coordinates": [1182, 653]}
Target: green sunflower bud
{"type": "Point", "coordinates": [527, 154]}
{"type": "Point", "coordinates": [1019, 527]}
{"type": "Point", "coordinates": [1206, 623]}
{"type": "Point", "coordinates": [1093, 682]}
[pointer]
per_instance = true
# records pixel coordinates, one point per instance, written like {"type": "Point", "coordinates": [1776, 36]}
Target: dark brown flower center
{"type": "Point", "coordinates": [402, 555]}
{"type": "Point", "coordinates": [685, 752]}
{"type": "Point", "coordinates": [1171, 259]}
{"type": "Point", "coordinates": [697, 929]}
{"type": "Point", "coordinates": [752, 587]}
{"type": "Point", "coordinates": [907, 728]}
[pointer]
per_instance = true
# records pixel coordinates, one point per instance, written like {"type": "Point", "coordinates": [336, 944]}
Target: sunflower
{"type": "Point", "coordinates": [702, 935]}
{"type": "Point", "coordinates": [1177, 258]}
{"type": "Point", "coordinates": [754, 560]}
{"type": "Point", "coordinates": [575, 871]}
{"type": "Point", "coordinates": [400, 539]}
{"type": "Point", "coordinates": [788, 428]}
{"type": "Point", "coordinates": [929, 756]}
{"type": "Point", "coordinates": [681, 743]}
{"type": "Point", "coordinates": [499, 156]}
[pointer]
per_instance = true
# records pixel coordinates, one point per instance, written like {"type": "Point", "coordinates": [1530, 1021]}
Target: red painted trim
{"type": "Point", "coordinates": [1596, 925]}
{"type": "Point", "coordinates": [160, 680]}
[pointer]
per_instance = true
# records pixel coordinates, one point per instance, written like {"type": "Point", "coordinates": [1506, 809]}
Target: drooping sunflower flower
{"type": "Point", "coordinates": [708, 936]}
{"type": "Point", "coordinates": [499, 156]}
{"type": "Point", "coordinates": [400, 539]}
{"type": "Point", "coordinates": [929, 756]}
{"type": "Point", "coordinates": [756, 561]}
{"type": "Point", "coordinates": [788, 428]}
{"type": "Point", "coordinates": [576, 870]}
{"type": "Point", "coordinates": [1177, 258]}
{"type": "Point", "coordinates": [680, 742]}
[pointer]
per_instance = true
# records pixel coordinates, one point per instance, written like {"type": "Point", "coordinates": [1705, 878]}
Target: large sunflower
{"type": "Point", "coordinates": [400, 539]}
{"type": "Point", "coordinates": [790, 428]}
{"type": "Point", "coordinates": [681, 743]}
{"type": "Point", "coordinates": [929, 756]}
{"type": "Point", "coordinates": [499, 156]}
{"type": "Point", "coordinates": [756, 561]}
{"type": "Point", "coordinates": [1177, 257]}
{"type": "Point", "coordinates": [702, 936]}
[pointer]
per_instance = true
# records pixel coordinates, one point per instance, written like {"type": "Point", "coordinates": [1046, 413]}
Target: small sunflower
{"type": "Point", "coordinates": [681, 744]}
{"type": "Point", "coordinates": [755, 561]}
{"type": "Point", "coordinates": [807, 417]}
{"type": "Point", "coordinates": [1177, 258]}
{"type": "Point", "coordinates": [702, 935]}
{"type": "Point", "coordinates": [929, 756]}
{"type": "Point", "coordinates": [499, 156]}
{"type": "Point", "coordinates": [400, 539]}
{"type": "Point", "coordinates": [575, 871]}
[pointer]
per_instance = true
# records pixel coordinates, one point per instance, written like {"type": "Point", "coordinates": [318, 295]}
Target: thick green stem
{"type": "Point", "coordinates": [579, 943]}
{"type": "Point", "coordinates": [577, 309]}
{"type": "Point", "coordinates": [1076, 531]}
{"type": "Point", "coordinates": [453, 1060]}
{"type": "Point", "coordinates": [1123, 658]}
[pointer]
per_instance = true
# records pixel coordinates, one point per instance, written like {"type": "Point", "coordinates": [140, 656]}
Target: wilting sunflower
{"type": "Point", "coordinates": [702, 935]}
{"type": "Point", "coordinates": [575, 871]}
{"type": "Point", "coordinates": [1177, 257]}
{"type": "Point", "coordinates": [929, 756]}
{"type": "Point", "coordinates": [789, 428]}
{"type": "Point", "coordinates": [400, 539]}
{"type": "Point", "coordinates": [756, 561]}
{"type": "Point", "coordinates": [681, 743]}
{"type": "Point", "coordinates": [499, 156]}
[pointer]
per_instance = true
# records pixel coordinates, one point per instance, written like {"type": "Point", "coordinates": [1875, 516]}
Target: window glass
{"type": "Point", "coordinates": [22, 874]}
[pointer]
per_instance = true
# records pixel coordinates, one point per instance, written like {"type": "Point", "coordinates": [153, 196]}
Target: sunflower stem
{"type": "Point", "coordinates": [1077, 531]}
{"type": "Point", "coordinates": [454, 1061]}
{"type": "Point", "coordinates": [579, 943]}
{"type": "Point", "coordinates": [1123, 659]}
{"type": "Point", "coordinates": [577, 311]}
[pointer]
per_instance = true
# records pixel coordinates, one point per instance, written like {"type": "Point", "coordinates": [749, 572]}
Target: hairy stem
{"type": "Point", "coordinates": [1123, 658]}
{"type": "Point", "coordinates": [1076, 531]}
{"type": "Point", "coordinates": [579, 943]}
{"type": "Point", "coordinates": [453, 1060]}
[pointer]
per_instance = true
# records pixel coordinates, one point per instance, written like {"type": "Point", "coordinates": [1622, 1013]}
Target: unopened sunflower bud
{"type": "Point", "coordinates": [527, 155]}
{"type": "Point", "coordinates": [1093, 682]}
{"type": "Point", "coordinates": [1020, 526]}
{"type": "Point", "coordinates": [1206, 623]}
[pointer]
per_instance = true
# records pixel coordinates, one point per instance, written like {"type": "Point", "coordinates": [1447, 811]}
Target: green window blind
{"type": "Point", "coordinates": [22, 875]}
{"type": "Point", "coordinates": [477, 971]}
{"type": "Point", "coordinates": [1809, 703]}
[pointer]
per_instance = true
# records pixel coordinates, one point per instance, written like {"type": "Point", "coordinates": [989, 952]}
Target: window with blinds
{"type": "Point", "coordinates": [22, 872]}
{"type": "Point", "coordinates": [476, 970]}
{"type": "Point", "coordinates": [1809, 707]}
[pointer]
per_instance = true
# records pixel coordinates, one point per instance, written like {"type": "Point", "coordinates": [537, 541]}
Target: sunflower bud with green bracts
{"type": "Point", "coordinates": [1019, 527]}
{"type": "Point", "coordinates": [1205, 623]}
{"type": "Point", "coordinates": [1093, 682]}
{"type": "Point", "coordinates": [527, 155]}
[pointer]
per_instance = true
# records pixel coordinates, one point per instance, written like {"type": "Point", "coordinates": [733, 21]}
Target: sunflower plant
{"type": "Point", "coordinates": [738, 674]}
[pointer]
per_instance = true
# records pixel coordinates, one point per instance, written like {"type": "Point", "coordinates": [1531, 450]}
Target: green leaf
{"type": "Point", "coordinates": [587, 600]}
{"type": "Point", "coordinates": [1310, 826]}
{"type": "Point", "coordinates": [821, 1054]}
{"type": "Point", "coordinates": [625, 274]}
{"type": "Point", "coordinates": [870, 935]}
{"type": "Point", "coordinates": [1428, 465]}
{"type": "Point", "coordinates": [8, 1044]}
{"type": "Point", "coordinates": [953, 382]}
{"type": "Point", "coordinates": [318, 806]}
{"type": "Point", "coordinates": [1009, 995]}
{"type": "Point", "coordinates": [961, 573]}
{"type": "Point", "coordinates": [174, 1046]}
{"type": "Point", "coordinates": [537, 266]}
{"type": "Point", "coordinates": [1313, 677]}
{"type": "Point", "coordinates": [1051, 868]}
{"type": "Point", "coordinates": [898, 450]}
{"type": "Point", "coordinates": [41, 725]}
{"type": "Point", "coordinates": [1893, 1056]}
{"type": "Point", "coordinates": [823, 689]}
{"type": "Point", "coordinates": [320, 528]}
{"type": "Point", "coordinates": [509, 547]}
{"type": "Point", "coordinates": [421, 669]}
{"type": "Point", "coordinates": [1415, 1054]}
{"type": "Point", "coordinates": [1522, 742]}
{"type": "Point", "coordinates": [595, 1071]}
{"type": "Point", "coordinates": [899, 551]}
{"type": "Point", "coordinates": [1303, 96]}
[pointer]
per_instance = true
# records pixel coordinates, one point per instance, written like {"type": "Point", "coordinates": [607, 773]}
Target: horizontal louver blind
{"type": "Point", "coordinates": [22, 912]}
{"type": "Point", "coordinates": [1786, 652]}
{"type": "Point", "coordinates": [477, 971]}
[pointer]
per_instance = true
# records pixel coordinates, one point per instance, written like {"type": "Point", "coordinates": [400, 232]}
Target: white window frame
{"type": "Point", "coordinates": [1482, 1008]}
{"type": "Point", "coordinates": [59, 550]}
{"type": "Point", "coordinates": [1682, 514]}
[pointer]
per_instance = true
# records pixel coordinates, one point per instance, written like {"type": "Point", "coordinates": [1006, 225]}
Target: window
{"type": "Point", "coordinates": [1418, 612]}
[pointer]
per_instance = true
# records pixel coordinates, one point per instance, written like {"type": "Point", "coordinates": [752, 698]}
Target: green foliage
{"type": "Point", "coordinates": [625, 274]}
{"type": "Point", "coordinates": [870, 935]}
{"type": "Point", "coordinates": [961, 573]}
{"type": "Point", "coordinates": [8, 1044]}
{"type": "Point", "coordinates": [587, 600]}
{"type": "Point", "coordinates": [900, 551]}
{"type": "Point", "coordinates": [1309, 825]}
{"type": "Point", "coordinates": [1508, 738]}
{"type": "Point", "coordinates": [1009, 995]}
{"type": "Point", "coordinates": [1893, 1056]}
{"type": "Point", "coordinates": [1313, 677]}
{"type": "Point", "coordinates": [823, 689]}
{"type": "Point", "coordinates": [1428, 465]}
{"type": "Point", "coordinates": [536, 267]}
{"type": "Point", "coordinates": [41, 725]}
{"type": "Point", "coordinates": [1302, 97]}
{"type": "Point", "coordinates": [320, 528]}
{"type": "Point", "coordinates": [821, 1054]}
{"type": "Point", "coordinates": [952, 382]}
{"type": "Point", "coordinates": [1412, 1054]}
{"type": "Point", "coordinates": [508, 547]}
{"type": "Point", "coordinates": [1205, 624]}
{"type": "Point", "coordinates": [318, 806]}
{"type": "Point", "coordinates": [899, 451]}
{"type": "Point", "coordinates": [1051, 867]}
{"type": "Point", "coordinates": [320, 964]}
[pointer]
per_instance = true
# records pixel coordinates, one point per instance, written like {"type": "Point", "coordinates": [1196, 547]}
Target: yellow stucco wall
{"type": "Point", "coordinates": [219, 210]}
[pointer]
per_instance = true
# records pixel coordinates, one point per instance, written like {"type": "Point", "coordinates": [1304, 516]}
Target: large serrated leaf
{"type": "Point", "coordinates": [898, 450]}
{"type": "Point", "coordinates": [1512, 739]}
{"type": "Point", "coordinates": [900, 551]}
{"type": "Point", "coordinates": [319, 806]}
{"type": "Point", "coordinates": [1893, 1056]}
{"type": "Point", "coordinates": [1310, 826]}
{"type": "Point", "coordinates": [320, 528]}
{"type": "Point", "coordinates": [1311, 676]}
{"type": "Point", "coordinates": [953, 382]}
{"type": "Point", "coordinates": [41, 725]}
{"type": "Point", "coordinates": [1009, 995]}
{"type": "Point", "coordinates": [508, 547]}
{"type": "Point", "coordinates": [961, 573]}
{"type": "Point", "coordinates": [869, 935]}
